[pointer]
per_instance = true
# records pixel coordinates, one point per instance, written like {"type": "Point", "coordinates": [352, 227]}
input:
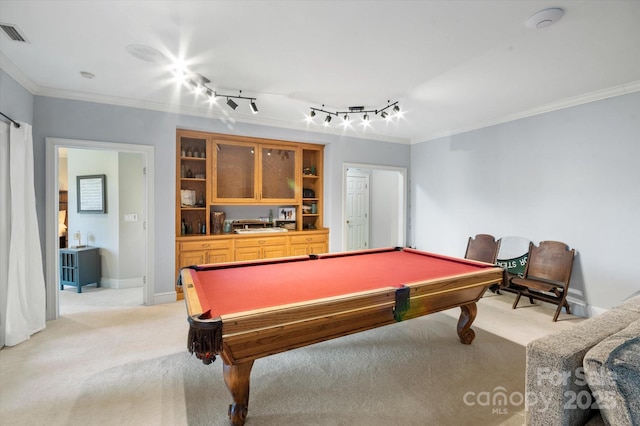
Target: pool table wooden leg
{"type": "Point", "coordinates": [236, 376]}
{"type": "Point", "coordinates": [467, 316]}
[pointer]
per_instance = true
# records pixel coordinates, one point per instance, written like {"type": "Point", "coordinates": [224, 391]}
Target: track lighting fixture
{"type": "Point", "coordinates": [198, 83]}
{"type": "Point", "coordinates": [232, 104]}
{"type": "Point", "coordinates": [395, 108]}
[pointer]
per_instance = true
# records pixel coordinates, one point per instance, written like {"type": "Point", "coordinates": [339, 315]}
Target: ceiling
{"type": "Point", "coordinates": [452, 66]}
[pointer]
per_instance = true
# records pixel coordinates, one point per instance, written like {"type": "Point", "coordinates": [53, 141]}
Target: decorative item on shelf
{"type": "Point", "coordinates": [183, 229]}
{"type": "Point", "coordinates": [314, 208]}
{"type": "Point", "coordinates": [313, 170]}
{"type": "Point", "coordinates": [307, 171]}
{"type": "Point", "coordinates": [287, 213]}
{"type": "Point", "coordinates": [308, 193]}
{"type": "Point", "coordinates": [183, 153]}
{"type": "Point", "coordinates": [227, 226]}
{"type": "Point", "coordinates": [189, 174]}
{"type": "Point", "coordinates": [270, 216]}
{"type": "Point", "coordinates": [217, 222]}
{"type": "Point", "coordinates": [183, 171]}
{"type": "Point", "coordinates": [77, 238]}
{"type": "Point", "coordinates": [187, 197]}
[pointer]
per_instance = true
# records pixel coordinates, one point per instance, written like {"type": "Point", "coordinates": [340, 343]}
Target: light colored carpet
{"type": "Point", "coordinates": [110, 364]}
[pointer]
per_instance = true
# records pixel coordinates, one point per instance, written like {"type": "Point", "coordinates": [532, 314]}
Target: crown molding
{"type": "Point", "coordinates": [10, 68]}
{"type": "Point", "coordinates": [622, 89]}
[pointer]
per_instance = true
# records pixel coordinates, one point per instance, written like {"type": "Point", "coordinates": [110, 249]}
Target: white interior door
{"type": "Point", "coordinates": [357, 210]}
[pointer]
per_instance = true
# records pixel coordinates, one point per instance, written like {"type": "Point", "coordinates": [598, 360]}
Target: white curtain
{"type": "Point", "coordinates": [23, 296]}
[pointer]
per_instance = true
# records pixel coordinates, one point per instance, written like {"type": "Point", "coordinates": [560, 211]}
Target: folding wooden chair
{"type": "Point", "coordinates": [547, 275]}
{"type": "Point", "coordinates": [484, 248]}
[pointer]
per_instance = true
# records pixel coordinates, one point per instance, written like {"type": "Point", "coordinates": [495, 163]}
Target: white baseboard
{"type": "Point", "coordinates": [584, 310]}
{"type": "Point", "coordinates": [168, 297]}
{"type": "Point", "coordinates": [121, 283]}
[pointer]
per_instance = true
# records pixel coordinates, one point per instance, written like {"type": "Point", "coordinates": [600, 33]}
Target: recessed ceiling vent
{"type": "Point", "coordinates": [13, 33]}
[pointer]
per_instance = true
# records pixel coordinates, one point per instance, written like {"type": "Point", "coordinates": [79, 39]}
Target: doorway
{"type": "Point", "coordinates": [123, 153]}
{"type": "Point", "coordinates": [374, 206]}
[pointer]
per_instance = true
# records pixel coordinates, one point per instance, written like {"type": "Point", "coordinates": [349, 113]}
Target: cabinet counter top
{"type": "Point", "coordinates": [250, 234]}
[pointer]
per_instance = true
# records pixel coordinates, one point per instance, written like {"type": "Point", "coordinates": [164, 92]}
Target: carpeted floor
{"type": "Point", "coordinates": [128, 365]}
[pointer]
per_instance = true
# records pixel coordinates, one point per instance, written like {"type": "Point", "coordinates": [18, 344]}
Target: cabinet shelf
{"type": "Point", "coordinates": [194, 158]}
{"type": "Point", "coordinates": [193, 180]}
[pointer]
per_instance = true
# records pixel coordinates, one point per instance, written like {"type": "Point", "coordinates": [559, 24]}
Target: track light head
{"type": "Point", "coordinates": [366, 117]}
{"type": "Point", "coordinates": [327, 120]}
{"type": "Point", "coordinates": [312, 114]}
{"type": "Point", "coordinates": [254, 107]}
{"type": "Point", "coordinates": [384, 114]}
{"type": "Point", "coordinates": [396, 109]}
{"type": "Point", "coordinates": [232, 104]}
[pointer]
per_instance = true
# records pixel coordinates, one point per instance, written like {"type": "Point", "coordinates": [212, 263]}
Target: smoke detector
{"type": "Point", "coordinates": [544, 18]}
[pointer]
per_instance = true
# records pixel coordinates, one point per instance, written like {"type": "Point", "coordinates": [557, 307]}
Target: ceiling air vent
{"type": "Point", "coordinates": [13, 33]}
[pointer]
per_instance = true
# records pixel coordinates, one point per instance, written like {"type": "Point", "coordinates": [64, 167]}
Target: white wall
{"type": "Point", "coordinates": [131, 233]}
{"type": "Point", "coordinates": [571, 175]}
{"type": "Point", "coordinates": [386, 190]}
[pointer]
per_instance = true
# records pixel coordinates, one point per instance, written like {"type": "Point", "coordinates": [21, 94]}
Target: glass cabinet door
{"type": "Point", "coordinates": [278, 166]}
{"type": "Point", "coordinates": [235, 173]}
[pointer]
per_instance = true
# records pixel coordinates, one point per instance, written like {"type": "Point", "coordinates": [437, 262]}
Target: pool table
{"type": "Point", "coordinates": [242, 311]}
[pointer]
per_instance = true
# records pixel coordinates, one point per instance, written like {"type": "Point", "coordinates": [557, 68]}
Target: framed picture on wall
{"type": "Point", "coordinates": [91, 194]}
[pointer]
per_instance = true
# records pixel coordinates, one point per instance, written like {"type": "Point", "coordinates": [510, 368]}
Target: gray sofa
{"type": "Point", "coordinates": [588, 374]}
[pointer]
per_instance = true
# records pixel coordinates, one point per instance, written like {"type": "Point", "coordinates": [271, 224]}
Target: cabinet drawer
{"type": "Point", "coordinates": [261, 241]}
{"type": "Point", "coordinates": [310, 238]}
{"type": "Point", "coordinates": [205, 245]}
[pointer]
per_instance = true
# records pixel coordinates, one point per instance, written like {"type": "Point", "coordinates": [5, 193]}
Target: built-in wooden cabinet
{"type": "Point", "coordinates": [254, 173]}
{"type": "Point", "coordinates": [192, 177]}
{"type": "Point", "coordinates": [310, 243]}
{"type": "Point", "coordinates": [217, 170]}
{"type": "Point", "coordinates": [266, 247]}
{"type": "Point", "coordinates": [203, 251]}
{"type": "Point", "coordinates": [312, 172]}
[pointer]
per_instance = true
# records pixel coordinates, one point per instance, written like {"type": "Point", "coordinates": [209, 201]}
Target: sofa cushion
{"type": "Point", "coordinates": [632, 304]}
{"type": "Point", "coordinates": [555, 368]}
{"type": "Point", "coordinates": [612, 369]}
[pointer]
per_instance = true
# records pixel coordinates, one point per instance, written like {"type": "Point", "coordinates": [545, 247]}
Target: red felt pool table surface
{"type": "Point", "coordinates": [224, 290]}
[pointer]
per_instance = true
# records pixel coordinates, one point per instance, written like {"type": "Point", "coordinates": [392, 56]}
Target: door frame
{"type": "Point", "coordinates": [401, 202]}
{"type": "Point", "coordinates": [53, 146]}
